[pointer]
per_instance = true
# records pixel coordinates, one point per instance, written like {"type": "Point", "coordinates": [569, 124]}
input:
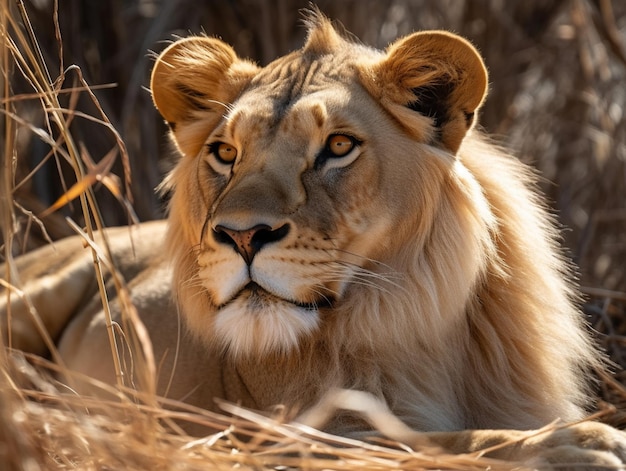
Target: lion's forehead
{"type": "Point", "coordinates": [305, 124]}
{"type": "Point", "coordinates": [292, 76]}
{"type": "Point", "coordinates": [297, 95]}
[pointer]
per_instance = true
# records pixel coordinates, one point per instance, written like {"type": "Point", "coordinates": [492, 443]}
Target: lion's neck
{"type": "Point", "coordinates": [295, 380]}
{"type": "Point", "coordinates": [301, 379]}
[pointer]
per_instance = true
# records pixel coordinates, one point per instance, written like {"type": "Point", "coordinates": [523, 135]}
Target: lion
{"type": "Point", "coordinates": [338, 222]}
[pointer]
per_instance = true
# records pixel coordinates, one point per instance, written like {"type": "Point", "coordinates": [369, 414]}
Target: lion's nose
{"type": "Point", "coordinates": [248, 242]}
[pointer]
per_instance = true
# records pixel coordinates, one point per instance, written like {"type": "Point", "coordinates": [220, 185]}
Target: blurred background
{"type": "Point", "coordinates": [557, 100]}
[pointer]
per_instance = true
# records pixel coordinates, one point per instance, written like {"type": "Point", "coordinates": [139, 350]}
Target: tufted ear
{"type": "Point", "coordinates": [437, 74]}
{"type": "Point", "coordinates": [193, 82]}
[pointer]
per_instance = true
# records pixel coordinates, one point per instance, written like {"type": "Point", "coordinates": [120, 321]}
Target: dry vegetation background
{"type": "Point", "coordinates": [558, 99]}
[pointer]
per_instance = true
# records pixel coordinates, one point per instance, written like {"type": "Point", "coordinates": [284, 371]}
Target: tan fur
{"type": "Point", "coordinates": [420, 267]}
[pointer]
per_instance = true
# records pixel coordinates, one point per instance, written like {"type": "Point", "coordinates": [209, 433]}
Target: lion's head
{"type": "Point", "coordinates": [304, 183]}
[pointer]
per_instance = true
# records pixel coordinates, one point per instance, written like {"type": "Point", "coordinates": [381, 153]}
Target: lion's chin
{"type": "Point", "coordinates": [259, 323]}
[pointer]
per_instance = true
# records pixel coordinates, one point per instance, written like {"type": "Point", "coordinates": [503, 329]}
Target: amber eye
{"type": "Point", "coordinates": [340, 144]}
{"type": "Point", "coordinates": [225, 153]}
{"type": "Point", "coordinates": [339, 151]}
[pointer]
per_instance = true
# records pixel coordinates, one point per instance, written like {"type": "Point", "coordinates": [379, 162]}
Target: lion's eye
{"type": "Point", "coordinates": [340, 144]}
{"type": "Point", "coordinates": [221, 157]}
{"type": "Point", "coordinates": [224, 153]}
{"type": "Point", "coordinates": [339, 151]}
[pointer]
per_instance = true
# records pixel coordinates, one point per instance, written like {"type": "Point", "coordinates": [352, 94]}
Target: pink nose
{"type": "Point", "coordinates": [249, 242]}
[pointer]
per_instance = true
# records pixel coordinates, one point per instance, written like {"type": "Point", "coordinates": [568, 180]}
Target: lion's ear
{"type": "Point", "coordinates": [437, 74]}
{"type": "Point", "coordinates": [194, 80]}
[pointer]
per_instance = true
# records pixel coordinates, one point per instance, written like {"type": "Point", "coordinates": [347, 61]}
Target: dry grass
{"type": "Point", "coordinates": [44, 426]}
{"type": "Point", "coordinates": [558, 66]}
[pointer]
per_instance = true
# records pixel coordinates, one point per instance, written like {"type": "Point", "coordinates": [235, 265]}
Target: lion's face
{"type": "Point", "coordinates": [302, 180]}
{"type": "Point", "coordinates": [288, 220]}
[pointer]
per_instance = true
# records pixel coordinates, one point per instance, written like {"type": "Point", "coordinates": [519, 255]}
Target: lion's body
{"type": "Point", "coordinates": [336, 223]}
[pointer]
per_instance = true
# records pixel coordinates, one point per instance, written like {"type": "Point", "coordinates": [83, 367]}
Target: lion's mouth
{"type": "Point", "coordinates": [257, 296]}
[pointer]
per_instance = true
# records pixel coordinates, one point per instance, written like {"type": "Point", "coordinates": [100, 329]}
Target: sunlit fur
{"type": "Point", "coordinates": [450, 298]}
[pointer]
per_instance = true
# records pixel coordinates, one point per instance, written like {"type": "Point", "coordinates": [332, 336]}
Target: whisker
{"type": "Point", "coordinates": [364, 258]}
{"type": "Point", "coordinates": [226, 106]}
{"type": "Point", "coordinates": [385, 276]}
{"type": "Point", "coordinates": [364, 282]}
{"type": "Point", "coordinates": [317, 291]}
{"type": "Point", "coordinates": [366, 277]}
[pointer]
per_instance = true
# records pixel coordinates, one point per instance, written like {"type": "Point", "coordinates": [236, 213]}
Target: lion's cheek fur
{"type": "Point", "coordinates": [440, 268]}
{"type": "Point", "coordinates": [187, 210]}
